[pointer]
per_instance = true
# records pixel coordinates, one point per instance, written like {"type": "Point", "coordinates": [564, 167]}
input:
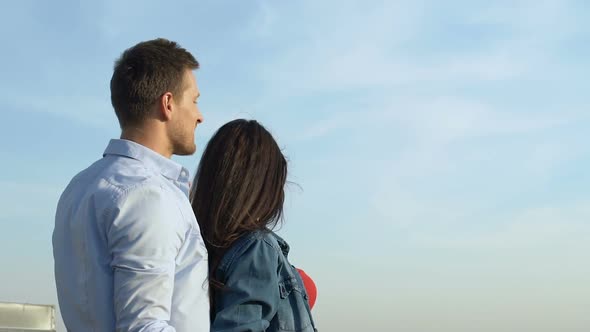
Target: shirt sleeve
{"type": "Point", "coordinates": [144, 238]}
{"type": "Point", "coordinates": [249, 299]}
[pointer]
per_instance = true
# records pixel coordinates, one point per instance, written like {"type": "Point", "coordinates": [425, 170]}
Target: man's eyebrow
{"type": "Point", "coordinates": [198, 95]}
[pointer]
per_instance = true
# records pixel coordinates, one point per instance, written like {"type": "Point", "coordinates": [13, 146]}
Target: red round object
{"type": "Point", "coordinates": [312, 291]}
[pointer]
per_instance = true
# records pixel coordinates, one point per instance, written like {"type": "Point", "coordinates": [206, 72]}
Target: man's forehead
{"type": "Point", "coordinates": [196, 86]}
{"type": "Point", "coordinates": [190, 81]}
{"type": "Point", "coordinates": [190, 75]}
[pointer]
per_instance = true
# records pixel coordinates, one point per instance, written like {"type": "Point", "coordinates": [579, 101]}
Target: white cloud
{"type": "Point", "coordinates": [90, 110]}
{"type": "Point", "coordinates": [539, 227]}
{"type": "Point", "coordinates": [436, 121]}
{"type": "Point", "coordinates": [378, 46]}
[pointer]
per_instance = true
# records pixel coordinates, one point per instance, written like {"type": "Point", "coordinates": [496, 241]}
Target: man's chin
{"type": "Point", "coordinates": [186, 150]}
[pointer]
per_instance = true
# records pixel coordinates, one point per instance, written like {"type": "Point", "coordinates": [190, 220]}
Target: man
{"type": "Point", "coordinates": [128, 252]}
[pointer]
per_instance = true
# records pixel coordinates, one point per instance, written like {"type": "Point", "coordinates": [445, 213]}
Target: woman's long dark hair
{"type": "Point", "coordinates": [238, 188]}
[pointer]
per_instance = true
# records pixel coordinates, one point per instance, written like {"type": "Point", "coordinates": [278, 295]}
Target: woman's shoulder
{"type": "Point", "coordinates": [260, 243]}
{"type": "Point", "coordinates": [259, 237]}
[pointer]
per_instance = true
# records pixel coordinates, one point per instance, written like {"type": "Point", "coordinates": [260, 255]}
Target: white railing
{"type": "Point", "coordinates": [21, 317]}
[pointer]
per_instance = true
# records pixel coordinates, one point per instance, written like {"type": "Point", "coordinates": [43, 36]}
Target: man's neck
{"type": "Point", "coordinates": [151, 138]}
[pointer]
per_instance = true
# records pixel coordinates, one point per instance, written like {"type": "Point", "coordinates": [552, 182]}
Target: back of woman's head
{"type": "Point", "coordinates": [239, 184]}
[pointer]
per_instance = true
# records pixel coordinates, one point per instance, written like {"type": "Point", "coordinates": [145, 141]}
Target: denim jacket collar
{"type": "Point", "coordinates": [282, 243]}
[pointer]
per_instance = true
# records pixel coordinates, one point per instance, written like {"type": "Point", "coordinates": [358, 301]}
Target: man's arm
{"type": "Point", "coordinates": [144, 238]}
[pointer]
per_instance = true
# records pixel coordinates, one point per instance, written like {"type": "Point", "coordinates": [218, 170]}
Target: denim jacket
{"type": "Point", "coordinates": [262, 291]}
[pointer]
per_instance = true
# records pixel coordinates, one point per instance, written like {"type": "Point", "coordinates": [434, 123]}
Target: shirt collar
{"type": "Point", "coordinates": [149, 158]}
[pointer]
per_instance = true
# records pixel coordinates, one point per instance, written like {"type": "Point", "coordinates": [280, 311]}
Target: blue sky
{"type": "Point", "coordinates": [440, 148]}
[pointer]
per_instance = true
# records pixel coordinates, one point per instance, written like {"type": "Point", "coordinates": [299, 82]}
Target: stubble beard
{"type": "Point", "coordinates": [183, 143]}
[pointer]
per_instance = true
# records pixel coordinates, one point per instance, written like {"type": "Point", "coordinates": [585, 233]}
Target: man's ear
{"type": "Point", "coordinates": [165, 106]}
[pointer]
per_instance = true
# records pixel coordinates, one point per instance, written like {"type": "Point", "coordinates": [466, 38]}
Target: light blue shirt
{"type": "Point", "coordinates": [128, 252]}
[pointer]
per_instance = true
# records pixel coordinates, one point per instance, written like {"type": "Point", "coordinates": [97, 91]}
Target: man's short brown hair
{"type": "Point", "coordinates": [144, 73]}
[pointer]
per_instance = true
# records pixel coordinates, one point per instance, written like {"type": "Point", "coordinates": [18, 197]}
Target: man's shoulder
{"type": "Point", "coordinates": [112, 176]}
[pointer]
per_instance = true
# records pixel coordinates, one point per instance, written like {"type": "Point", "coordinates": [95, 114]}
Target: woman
{"type": "Point", "coordinates": [238, 197]}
